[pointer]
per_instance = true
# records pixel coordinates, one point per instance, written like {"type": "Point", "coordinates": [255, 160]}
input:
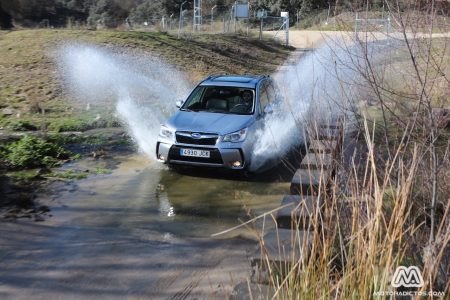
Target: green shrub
{"type": "Point", "coordinates": [71, 174]}
{"type": "Point", "coordinates": [72, 125]}
{"type": "Point", "coordinates": [31, 152]}
{"type": "Point", "coordinates": [22, 125]}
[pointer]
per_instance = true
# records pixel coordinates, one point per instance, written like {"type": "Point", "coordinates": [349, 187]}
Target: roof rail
{"type": "Point", "coordinates": [211, 77]}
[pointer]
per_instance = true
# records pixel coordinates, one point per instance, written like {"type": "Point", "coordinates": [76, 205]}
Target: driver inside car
{"type": "Point", "coordinates": [245, 104]}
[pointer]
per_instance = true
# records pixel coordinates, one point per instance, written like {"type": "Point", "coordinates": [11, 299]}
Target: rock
{"type": "Point", "coordinates": [30, 211]}
{"type": "Point", "coordinates": [43, 208]}
{"type": "Point", "coordinates": [7, 111]}
{"type": "Point", "coordinates": [20, 216]}
{"type": "Point", "coordinates": [98, 153]}
{"type": "Point", "coordinates": [38, 218]}
{"type": "Point", "coordinates": [43, 171]}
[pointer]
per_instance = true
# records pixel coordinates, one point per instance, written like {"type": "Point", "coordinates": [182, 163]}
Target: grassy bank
{"type": "Point", "coordinates": [31, 97]}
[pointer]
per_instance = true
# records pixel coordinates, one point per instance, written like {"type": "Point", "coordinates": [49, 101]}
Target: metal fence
{"type": "Point", "coordinates": [215, 22]}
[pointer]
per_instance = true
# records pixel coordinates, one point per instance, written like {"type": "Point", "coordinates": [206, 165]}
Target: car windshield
{"type": "Point", "coordinates": [221, 99]}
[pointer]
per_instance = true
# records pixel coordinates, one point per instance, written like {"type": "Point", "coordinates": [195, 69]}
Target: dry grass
{"type": "Point", "coordinates": [362, 228]}
{"type": "Point", "coordinates": [389, 204]}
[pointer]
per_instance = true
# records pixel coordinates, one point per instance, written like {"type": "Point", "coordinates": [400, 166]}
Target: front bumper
{"type": "Point", "coordinates": [219, 157]}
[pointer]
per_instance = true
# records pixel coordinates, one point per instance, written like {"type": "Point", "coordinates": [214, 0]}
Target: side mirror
{"type": "Point", "coordinates": [179, 103]}
{"type": "Point", "coordinates": [268, 109]}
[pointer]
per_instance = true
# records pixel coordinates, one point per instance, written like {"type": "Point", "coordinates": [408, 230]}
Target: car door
{"type": "Point", "coordinates": [263, 100]}
{"type": "Point", "coordinates": [263, 97]}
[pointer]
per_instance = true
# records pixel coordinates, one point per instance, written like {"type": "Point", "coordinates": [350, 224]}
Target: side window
{"type": "Point", "coordinates": [195, 100]}
{"type": "Point", "coordinates": [263, 96]}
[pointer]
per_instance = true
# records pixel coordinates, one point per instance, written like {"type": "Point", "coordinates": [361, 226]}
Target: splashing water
{"type": "Point", "coordinates": [142, 88]}
{"type": "Point", "coordinates": [322, 85]}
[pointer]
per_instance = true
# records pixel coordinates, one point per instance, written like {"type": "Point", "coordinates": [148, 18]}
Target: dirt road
{"type": "Point", "coordinates": [305, 39]}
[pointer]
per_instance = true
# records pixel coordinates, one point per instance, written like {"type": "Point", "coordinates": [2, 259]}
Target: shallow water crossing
{"type": "Point", "coordinates": [143, 231]}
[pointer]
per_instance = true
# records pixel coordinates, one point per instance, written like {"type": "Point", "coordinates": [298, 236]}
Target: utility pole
{"type": "Point", "coordinates": [234, 16]}
{"type": "Point", "coordinates": [181, 18]}
{"type": "Point", "coordinates": [197, 21]}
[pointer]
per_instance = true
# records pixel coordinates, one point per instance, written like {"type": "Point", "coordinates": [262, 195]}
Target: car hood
{"type": "Point", "coordinates": [209, 122]}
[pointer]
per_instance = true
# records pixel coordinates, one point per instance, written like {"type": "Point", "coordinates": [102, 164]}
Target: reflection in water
{"type": "Point", "coordinates": [159, 202]}
{"type": "Point", "coordinates": [165, 208]}
{"type": "Point", "coordinates": [203, 205]}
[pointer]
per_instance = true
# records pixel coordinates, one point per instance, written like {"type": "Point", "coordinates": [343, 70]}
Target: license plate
{"type": "Point", "coordinates": [194, 153]}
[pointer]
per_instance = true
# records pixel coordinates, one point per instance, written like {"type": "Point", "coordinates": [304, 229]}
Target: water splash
{"type": "Point", "coordinates": [142, 88]}
{"type": "Point", "coordinates": [323, 84]}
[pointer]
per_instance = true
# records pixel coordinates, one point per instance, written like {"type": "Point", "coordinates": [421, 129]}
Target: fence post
{"type": "Point", "coordinates": [212, 17]}
{"type": "Point", "coordinates": [234, 17]}
{"type": "Point", "coordinates": [261, 29]}
{"type": "Point", "coordinates": [181, 18]}
{"type": "Point", "coordinates": [287, 30]}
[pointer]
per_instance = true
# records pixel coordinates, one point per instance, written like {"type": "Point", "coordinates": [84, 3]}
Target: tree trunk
{"type": "Point", "coordinates": [5, 19]}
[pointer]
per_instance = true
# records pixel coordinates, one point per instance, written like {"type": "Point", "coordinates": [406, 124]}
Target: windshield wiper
{"type": "Point", "coordinates": [217, 111]}
{"type": "Point", "coordinates": [187, 109]}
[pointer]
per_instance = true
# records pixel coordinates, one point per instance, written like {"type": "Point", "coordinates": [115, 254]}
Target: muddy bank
{"type": "Point", "coordinates": [20, 187]}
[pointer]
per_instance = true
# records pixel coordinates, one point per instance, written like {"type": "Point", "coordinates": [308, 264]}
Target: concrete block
{"type": "Point", "coordinates": [298, 212]}
{"type": "Point", "coordinates": [317, 161]}
{"type": "Point", "coordinates": [332, 123]}
{"type": "Point", "coordinates": [323, 146]}
{"type": "Point", "coordinates": [309, 182]}
{"type": "Point", "coordinates": [328, 134]}
{"type": "Point", "coordinates": [282, 248]}
{"type": "Point", "coordinates": [252, 291]}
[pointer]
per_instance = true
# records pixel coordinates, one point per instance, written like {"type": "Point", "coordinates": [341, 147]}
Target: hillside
{"type": "Point", "coordinates": [29, 85]}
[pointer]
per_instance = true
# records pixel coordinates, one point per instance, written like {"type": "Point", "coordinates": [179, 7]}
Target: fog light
{"type": "Point", "coordinates": [236, 164]}
{"type": "Point", "coordinates": [161, 157]}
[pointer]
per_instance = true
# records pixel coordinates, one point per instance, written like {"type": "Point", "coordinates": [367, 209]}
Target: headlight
{"type": "Point", "coordinates": [166, 132]}
{"type": "Point", "coordinates": [235, 137]}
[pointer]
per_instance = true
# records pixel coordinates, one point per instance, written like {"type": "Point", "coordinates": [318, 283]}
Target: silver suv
{"type": "Point", "coordinates": [216, 125]}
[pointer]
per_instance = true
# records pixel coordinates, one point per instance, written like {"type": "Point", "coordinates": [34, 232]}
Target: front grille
{"type": "Point", "coordinates": [205, 139]}
{"type": "Point", "coordinates": [215, 157]}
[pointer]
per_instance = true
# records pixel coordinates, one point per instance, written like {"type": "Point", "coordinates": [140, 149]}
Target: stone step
{"type": "Point", "coordinates": [249, 291]}
{"type": "Point", "coordinates": [327, 134]}
{"type": "Point", "coordinates": [309, 182]}
{"type": "Point", "coordinates": [333, 123]}
{"type": "Point", "coordinates": [298, 212]}
{"type": "Point", "coordinates": [323, 146]}
{"type": "Point", "coordinates": [282, 248]}
{"type": "Point", "coordinates": [317, 161]}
